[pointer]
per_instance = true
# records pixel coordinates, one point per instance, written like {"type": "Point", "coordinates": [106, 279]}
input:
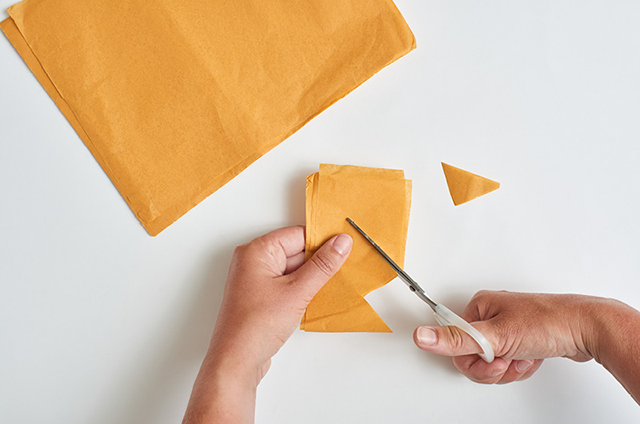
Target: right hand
{"type": "Point", "coordinates": [523, 329]}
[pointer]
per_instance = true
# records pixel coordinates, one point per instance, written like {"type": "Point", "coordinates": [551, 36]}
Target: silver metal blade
{"type": "Point", "coordinates": [413, 285]}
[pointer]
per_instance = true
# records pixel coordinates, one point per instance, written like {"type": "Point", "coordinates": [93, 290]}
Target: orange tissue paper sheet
{"type": "Point", "coordinates": [465, 186]}
{"type": "Point", "coordinates": [175, 98]}
{"type": "Point", "coordinates": [379, 201]}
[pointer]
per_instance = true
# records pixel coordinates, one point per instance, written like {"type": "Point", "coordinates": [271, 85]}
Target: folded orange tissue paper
{"type": "Point", "coordinates": [175, 98]}
{"type": "Point", "coordinates": [379, 201]}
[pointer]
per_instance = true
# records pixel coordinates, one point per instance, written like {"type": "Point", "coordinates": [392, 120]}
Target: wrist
{"type": "Point", "coordinates": [608, 319]}
{"type": "Point", "coordinates": [232, 370]}
{"type": "Point", "coordinates": [581, 316]}
{"type": "Point", "coordinates": [598, 317]}
{"type": "Point", "coordinates": [224, 391]}
{"type": "Point", "coordinates": [235, 354]}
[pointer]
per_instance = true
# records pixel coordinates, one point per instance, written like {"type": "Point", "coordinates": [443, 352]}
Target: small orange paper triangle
{"type": "Point", "coordinates": [465, 186]}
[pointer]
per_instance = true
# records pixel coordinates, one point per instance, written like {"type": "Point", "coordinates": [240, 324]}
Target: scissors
{"type": "Point", "coordinates": [443, 315]}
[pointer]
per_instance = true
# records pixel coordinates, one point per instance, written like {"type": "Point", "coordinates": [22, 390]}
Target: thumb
{"type": "Point", "coordinates": [447, 340]}
{"type": "Point", "coordinates": [323, 265]}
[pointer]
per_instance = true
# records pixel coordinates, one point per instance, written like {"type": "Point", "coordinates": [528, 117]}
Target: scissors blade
{"type": "Point", "coordinates": [413, 285]}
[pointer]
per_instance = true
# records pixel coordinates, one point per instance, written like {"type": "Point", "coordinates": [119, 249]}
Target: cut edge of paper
{"type": "Point", "coordinates": [349, 319]}
{"type": "Point", "coordinates": [361, 312]}
{"type": "Point", "coordinates": [465, 186]}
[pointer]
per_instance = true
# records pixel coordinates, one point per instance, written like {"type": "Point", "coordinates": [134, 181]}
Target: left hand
{"type": "Point", "coordinates": [268, 289]}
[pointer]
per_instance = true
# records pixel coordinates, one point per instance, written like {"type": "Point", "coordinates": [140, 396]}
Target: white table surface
{"type": "Point", "coordinates": [101, 323]}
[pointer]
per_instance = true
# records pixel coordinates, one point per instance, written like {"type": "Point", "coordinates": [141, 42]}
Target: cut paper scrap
{"type": "Point", "coordinates": [465, 186]}
{"type": "Point", "coordinates": [176, 98]}
{"type": "Point", "coordinates": [379, 200]}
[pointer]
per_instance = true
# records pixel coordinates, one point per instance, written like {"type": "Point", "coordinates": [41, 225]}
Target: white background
{"type": "Point", "coordinates": [101, 323]}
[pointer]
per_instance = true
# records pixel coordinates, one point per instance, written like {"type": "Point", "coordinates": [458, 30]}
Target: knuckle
{"type": "Point", "coordinates": [483, 304]}
{"type": "Point", "coordinates": [465, 367]}
{"type": "Point", "coordinates": [478, 299]}
{"type": "Point", "coordinates": [262, 246]}
{"type": "Point", "coordinates": [267, 245]}
{"type": "Point", "coordinates": [323, 263]}
{"type": "Point", "coordinates": [479, 380]}
{"type": "Point", "coordinates": [259, 243]}
{"type": "Point", "coordinates": [482, 292]}
{"type": "Point", "coordinates": [478, 377]}
{"type": "Point", "coordinates": [483, 295]}
{"type": "Point", "coordinates": [240, 250]}
{"type": "Point", "coordinates": [454, 338]}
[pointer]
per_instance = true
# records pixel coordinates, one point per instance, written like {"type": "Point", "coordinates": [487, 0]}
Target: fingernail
{"type": "Point", "coordinates": [342, 243]}
{"type": "Point", "coordinates": [523, 366]}
{"type": "Point", "coordinates": [427, 336]}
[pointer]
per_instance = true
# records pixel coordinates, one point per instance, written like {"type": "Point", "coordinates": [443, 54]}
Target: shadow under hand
{"type": "Point", "coordinates": [163, 371]}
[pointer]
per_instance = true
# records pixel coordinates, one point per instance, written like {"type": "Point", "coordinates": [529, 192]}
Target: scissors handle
{"type": "Point", "coordinates": [445, 316]}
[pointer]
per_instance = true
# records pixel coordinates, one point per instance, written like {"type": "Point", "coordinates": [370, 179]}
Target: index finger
{"type": "Point", "coordinates": [290, 240]}
{"type": "Point", "coordinates": [477, 370]}
{"type": "Point", "coordinates": [479, 307]}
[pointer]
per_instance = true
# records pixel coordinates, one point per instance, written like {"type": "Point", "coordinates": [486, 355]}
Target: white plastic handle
{"type": "Point", "coordinates": [445, 316]}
